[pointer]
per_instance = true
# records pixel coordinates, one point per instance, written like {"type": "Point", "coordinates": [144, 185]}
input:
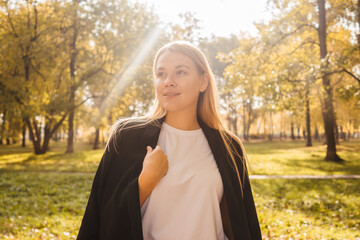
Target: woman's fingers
{"type": "Point", "coordinates": [155, 162]}
{"type": "Point", "coordinates": [149, 149]}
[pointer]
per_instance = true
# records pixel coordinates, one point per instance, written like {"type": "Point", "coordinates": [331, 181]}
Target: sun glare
{"type": "Point", "coordinates": [124, 76]}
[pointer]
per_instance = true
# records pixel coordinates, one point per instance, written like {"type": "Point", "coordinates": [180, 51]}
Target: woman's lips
{"type": "Point", "coordinates": [171, 95]}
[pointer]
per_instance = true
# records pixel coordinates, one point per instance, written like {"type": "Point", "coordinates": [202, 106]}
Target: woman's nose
{"type": "Point", "coordinates": [169, 81]}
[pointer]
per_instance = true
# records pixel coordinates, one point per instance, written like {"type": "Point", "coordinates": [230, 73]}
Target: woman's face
{"type": "Point", "coordinates": [178, 82]}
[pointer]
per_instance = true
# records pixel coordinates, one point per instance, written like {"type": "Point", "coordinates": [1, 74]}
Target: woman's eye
{"type": "Point", "coordinates": [181, 72]}
{"type": "Point", "coordinates": [160, 74]}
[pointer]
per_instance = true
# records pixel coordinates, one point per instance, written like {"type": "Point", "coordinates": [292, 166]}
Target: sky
{"type": "Point", "coordinates": [218, 17]}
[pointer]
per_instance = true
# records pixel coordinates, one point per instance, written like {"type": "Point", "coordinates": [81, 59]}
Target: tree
{"type": "Point", "coordinates": [187, 30]}
{"type": "Point", "coordinates": [329, 114]}
{"type": "Point", "coordinates": [215, 48]}
{"type": "Point", "coordinates": [242, 80]}
{"type": "Point", "coordinates": [65, 47]}
{"type": "Point", "coordinates": [307, 22]}
{"type": "Point", "coordinates": [26, 30]}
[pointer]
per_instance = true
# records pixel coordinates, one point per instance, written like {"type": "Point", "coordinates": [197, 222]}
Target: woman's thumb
{"type": "Point", "coordinates": [149, 149]}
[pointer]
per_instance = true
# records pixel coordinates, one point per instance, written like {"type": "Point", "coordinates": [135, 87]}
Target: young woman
{"type": "Point", "coordinates": [177, 172]}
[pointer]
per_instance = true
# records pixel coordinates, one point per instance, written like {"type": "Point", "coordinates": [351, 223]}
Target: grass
{"type": "Point", "coordinates": [287, 209]}
{"type": "Point", "coordinates": [308, 209]}
{"type": "Point", "coordinates": [293, 158]}
{"type": "Point", "coordinates": [38, 200]}
{"type": "Point", "coordinates": [269, 158]}
{"type": "Point", "coordinates": [42, 206]}
{"type": "Point", "coordinates": [84, 159]}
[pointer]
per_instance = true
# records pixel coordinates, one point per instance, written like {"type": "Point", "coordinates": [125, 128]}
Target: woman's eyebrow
{"type": "Point", "coordinates": [178, 66]}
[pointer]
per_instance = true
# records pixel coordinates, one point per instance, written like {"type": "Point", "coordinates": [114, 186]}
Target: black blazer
{"type": "Point", "coordinates": [113, 209]}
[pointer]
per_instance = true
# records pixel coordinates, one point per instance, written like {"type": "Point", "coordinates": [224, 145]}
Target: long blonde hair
{"type": "Point", "coordinates": [206, 108]}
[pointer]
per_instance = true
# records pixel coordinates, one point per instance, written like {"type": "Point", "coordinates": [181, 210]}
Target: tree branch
{"type": "Point", "coordinates": [293, 32]}
{"type": "Point", "coordinates": [37, 71]}
{"type": "Point", "coordinates": [345, 71]}
{"type": "Point", "coordinates": [352, 75]}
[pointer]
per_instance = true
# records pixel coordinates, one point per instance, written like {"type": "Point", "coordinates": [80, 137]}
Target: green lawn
{"type": "Point", "coordinates": [308, 209]}
{"type": "Point", "coordinates": [270, 158]}
{"type": "Point", "coordinates": [293, 158]}
{"type": "Point", "coordinates": [39, 202]}
{"type": "Point", "coordinates": [84, 159]}
{"type": "Point", "coordinates": [42, 206]}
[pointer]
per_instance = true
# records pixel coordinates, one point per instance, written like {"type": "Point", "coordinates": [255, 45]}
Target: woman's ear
{"type": "Point", "coordinates": [204, 82]}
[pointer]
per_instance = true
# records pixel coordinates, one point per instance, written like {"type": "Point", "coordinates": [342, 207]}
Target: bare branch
{"type": "Point", "coordinates": [107, 73]}
{"type": "Point", "coordinates": [57, 125]}
{"type": "Point", "coordinates": [10, 22]}
{"type": "Point", "coordinates": [293, 32]}
{"type": "Point", "coordinates": [345, 71]}
{"type": "Point", "coordinates": [352, 75]}
{"type": "Point", "coordinates": [36, 20]}
{"type": "Point", "coordinates": [37, 71]}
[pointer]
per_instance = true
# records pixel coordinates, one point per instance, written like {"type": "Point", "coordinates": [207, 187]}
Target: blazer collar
{"type": "Point", "coordinates": [152, 131]}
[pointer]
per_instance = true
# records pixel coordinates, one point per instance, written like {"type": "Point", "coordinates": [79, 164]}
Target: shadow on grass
{"type": "Point", "coordinates": [279, 146]}
{"type": "Point", "coordinates": [328, 201]}
{"type": "Point", "coordinates": [347, 167]}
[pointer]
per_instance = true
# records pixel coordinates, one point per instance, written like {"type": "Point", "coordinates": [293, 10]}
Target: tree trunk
{"type": "Point", "coordinates": [336, 133]}
{"type": "Point", "coordinates": [35, 137]}
{"type": "Point", "coordinates": [96, 141]}
{"type": "Point", "coordinates": [349, 133]}
{"type": "Point", "coordinates": [328, 105]}
{"type": "Point", "coordinates": [308, 125]}
{"type": "Point", "coordinates": [264, 127]}
{"type": "Point", "coordinates": [342, 134]}
{"type": "Point", "coordinates": [228, 118]}
{"type": "Point", "coordinates": [270, 135]}
{"type": "Point", "coordinates": [70, 140]}
{"type": "Point", "coordinates": [316, 136]}
{"type": "Point", "coordinates": [73, 52]}
{"type": "Point", "coordinates": [292, 130]}
{"type": "Point", "coordinates": [250, 120]}
{"type": "Point", "coordinates": [47, 136]}
{"type": "Point", "coordinates": [248, 132]}
{"type": "Point", "coordinates": [298, 131]}
{"type": "Point", "coordinates": [358, 23]}
{"type": "Point", "coordinates": [35, 133]}
{"type": "Point", "coordinates": [3, 133]}
{"type": "Point", "coordinates": [235, 123]}
{"type": "Point", "coordinates": [23, 134]}
{"type": "Point", "coordinates": [244, 122]}
{"type": "Point", "coordinates": [281, 125]}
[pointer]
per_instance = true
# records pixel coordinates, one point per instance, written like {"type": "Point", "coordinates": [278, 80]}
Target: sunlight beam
{"type": "Point", "coordinates": [124, 76]}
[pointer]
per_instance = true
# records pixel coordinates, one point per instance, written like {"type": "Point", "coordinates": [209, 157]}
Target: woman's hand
{"type": "Point", "coordinates": [155, 166]}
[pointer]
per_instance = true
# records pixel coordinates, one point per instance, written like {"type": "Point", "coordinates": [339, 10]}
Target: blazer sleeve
{"type": "Point", "coordinates": [113, 209]}
{"type": "Point", "coordinates": [89, 228]}
{"type": "Point", "coordinates": [251, 214]}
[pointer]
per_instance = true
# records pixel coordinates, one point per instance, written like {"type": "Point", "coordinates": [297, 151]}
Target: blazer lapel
{"type": "Point", "coordinates": [151, 133]}
{"type": "Point", "coordinates": [230, 200]}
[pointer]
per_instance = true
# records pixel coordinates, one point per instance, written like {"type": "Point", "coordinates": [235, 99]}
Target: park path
{"type": "Point", "coordinates": [252, 176]}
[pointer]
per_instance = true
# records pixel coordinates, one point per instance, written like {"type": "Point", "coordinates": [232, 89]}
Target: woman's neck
{"type": "Point", "coordinates": [182, 121]}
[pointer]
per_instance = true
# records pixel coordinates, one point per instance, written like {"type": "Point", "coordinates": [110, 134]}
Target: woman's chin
{"type": "Point", "coordinates": [170, 107]}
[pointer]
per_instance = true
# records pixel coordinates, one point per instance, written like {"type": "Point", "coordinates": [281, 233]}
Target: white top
{"type": "Point", "coordinates": [185, 204]}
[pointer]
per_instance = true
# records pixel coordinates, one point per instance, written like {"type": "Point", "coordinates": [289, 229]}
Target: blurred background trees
{"type": "Point", "coordinates": [61, 63]}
